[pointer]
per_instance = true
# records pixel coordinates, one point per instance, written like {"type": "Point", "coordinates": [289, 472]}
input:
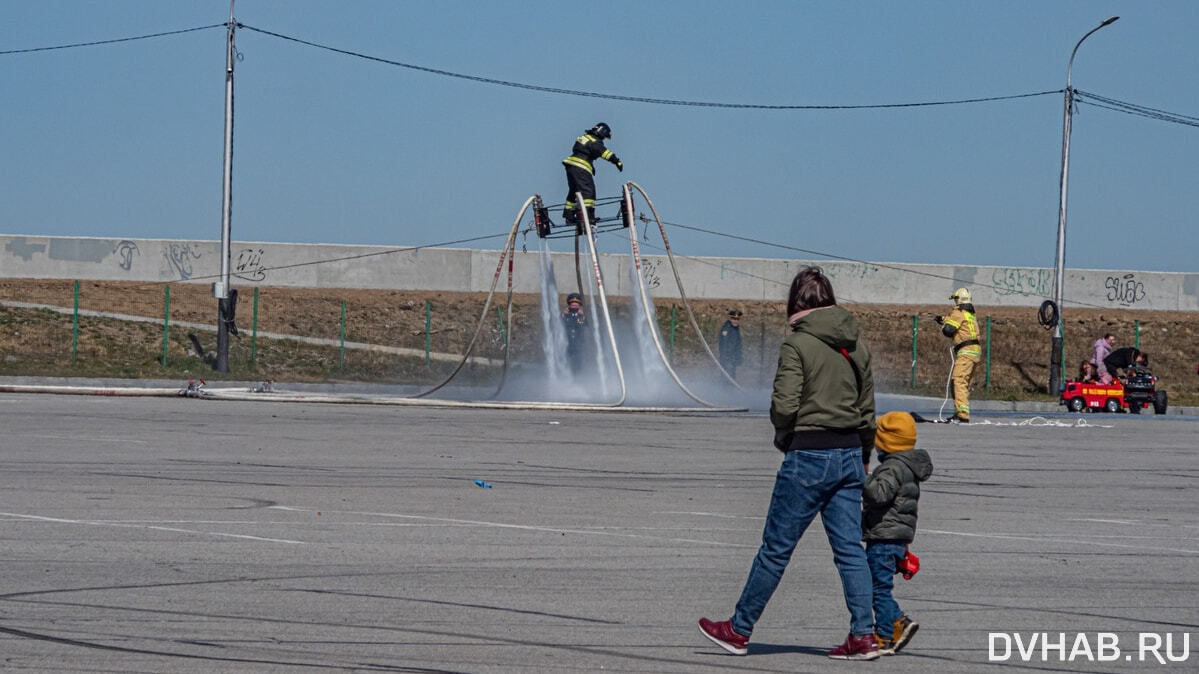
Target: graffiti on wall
{"type": "Point", "coordinates": [1012, 281]}
{"type": "Point", "coordinates": [649, 271]}
{"type": "Point", "coordinates": [180, 256]}
{"type": "Point", "coordinates": [1125, 290]}
{"type": "Point", "coordinates": [125, 250]}
{"type": "Point", "coordinates": [851, 270]}
{"type": "Point", "coordinates": [23, 249]}
{"type": "Point", "coordinates": [249, 264]}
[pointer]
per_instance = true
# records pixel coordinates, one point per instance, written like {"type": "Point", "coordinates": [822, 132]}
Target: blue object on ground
{"type": "Point", "coordinates": [484, 485]}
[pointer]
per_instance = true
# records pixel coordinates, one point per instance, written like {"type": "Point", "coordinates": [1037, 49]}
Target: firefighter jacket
{"type": "Point", "coordinates": [575, 326]}
{"type": "Point", "coordinates": [961, 325]}
{"type": "Point", "coordinates": [587, 149]}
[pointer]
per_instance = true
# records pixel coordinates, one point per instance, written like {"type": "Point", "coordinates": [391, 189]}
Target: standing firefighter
{"type": "Point", "coordinates": [580, 169]}
{"type": "Point", "coordinates": [961, 325]}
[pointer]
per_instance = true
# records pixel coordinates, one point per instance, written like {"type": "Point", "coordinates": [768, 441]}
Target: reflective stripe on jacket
{"type": "Point", "coordinates": [587, 149]}
{"type": "Point", "coordinates": [965, 326]}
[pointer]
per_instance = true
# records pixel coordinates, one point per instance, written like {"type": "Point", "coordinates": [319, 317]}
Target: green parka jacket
{"type": "Point", "coordinates": [891, 493]}
{"type": "Point", "coordinates": [819, 401]}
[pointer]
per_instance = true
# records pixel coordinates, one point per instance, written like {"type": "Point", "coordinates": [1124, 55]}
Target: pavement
{"type": "Point", "coordinates": [174, 534]}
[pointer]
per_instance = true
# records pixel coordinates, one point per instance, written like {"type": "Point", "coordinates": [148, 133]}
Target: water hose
{"type": "Point", "coordinates": [682, 294]}
{"type": "Point", "coordinates": [627, 210]}
{"type": "Point", "coordinates": [603, 296]}
{"type": "Point", "coordinates": [509, 251]}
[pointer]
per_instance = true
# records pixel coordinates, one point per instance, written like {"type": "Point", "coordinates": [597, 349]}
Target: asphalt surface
{"type": "Point", "coordinates": [188, 535]}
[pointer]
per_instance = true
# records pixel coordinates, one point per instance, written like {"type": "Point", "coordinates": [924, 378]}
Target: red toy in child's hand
{"type": "Point", "coordinates": [909, 565]}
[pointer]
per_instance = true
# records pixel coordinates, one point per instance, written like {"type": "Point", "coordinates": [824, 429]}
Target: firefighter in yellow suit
{"type": "Point", "coordinates": [961, 325]}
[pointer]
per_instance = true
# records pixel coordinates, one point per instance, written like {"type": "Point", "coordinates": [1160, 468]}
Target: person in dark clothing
{"type": "Point", "coordinates": [1124, 358]}
{"type": "Point", "coordinates": [730, 343]}
{"type": "Point", "coordinates": [580, 169]}
{"type": "Point", "coordinates": [574, 321]}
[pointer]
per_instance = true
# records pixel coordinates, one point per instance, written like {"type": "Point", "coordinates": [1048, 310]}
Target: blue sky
{"type": "Point", "coordinates": [125, 140]}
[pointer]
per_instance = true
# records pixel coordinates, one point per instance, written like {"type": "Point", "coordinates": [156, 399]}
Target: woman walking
{"type": "Point", "coordinates": [822, 409]}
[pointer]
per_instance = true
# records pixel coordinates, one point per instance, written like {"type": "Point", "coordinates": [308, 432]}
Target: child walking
{"type": "Point", "coordinates": [889, 521]}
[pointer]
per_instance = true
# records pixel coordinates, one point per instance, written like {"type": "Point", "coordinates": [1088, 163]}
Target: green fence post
{"type": "Point", "coordinates": [987, 371]}
{"type": "Point", "coordinates": [254, 331]}
{"type": "Point", "coordinates": [503, 335]}
{"type": "Point", "coordinates": [428, 331]}
{"type": "Point", "coordinates": [166, 323]}
{"type": "Point", "coordinates": [75, 326]}
{"type": "Point", "coordinates": [673, 323]}
{"type": "Point", "coordinates": [341, 359]}
{"type": "Point", "coordinates": [915, 326]}
{"type": "Point", "coordinates": [1136, 341]}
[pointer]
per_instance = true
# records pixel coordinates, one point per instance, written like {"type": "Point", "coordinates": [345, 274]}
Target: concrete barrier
{"type": "Point", "coordinates": [464, 270]}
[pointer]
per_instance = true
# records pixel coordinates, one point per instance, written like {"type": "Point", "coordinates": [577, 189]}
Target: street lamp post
{"type": "Point", "coordinates": [220, 289]}
{"type": "Point", "coordinates": [1055, 355]}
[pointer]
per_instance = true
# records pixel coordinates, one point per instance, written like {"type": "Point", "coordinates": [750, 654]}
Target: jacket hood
{"type": "Point", "coordinates": [832, 325]}
{"type": "Point", "coordinates": [916, 459]}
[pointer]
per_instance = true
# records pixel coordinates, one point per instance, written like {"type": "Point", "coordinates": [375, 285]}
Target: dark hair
{"type": "Point", "coordinates": [810, 289]}
{"type": "Point", "coordinates": [1108, 336]}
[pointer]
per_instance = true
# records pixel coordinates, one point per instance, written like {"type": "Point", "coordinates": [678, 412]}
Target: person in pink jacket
{"type": "Point", "coordinates": [1101, 349]}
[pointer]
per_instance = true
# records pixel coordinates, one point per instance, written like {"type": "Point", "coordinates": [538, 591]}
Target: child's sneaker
{"type": "Point", "coordinates": [864, 647]}
{"type": "Point", "coordinates": [723, 635]}
{"type": "Point", "coordinates": [904, 629]}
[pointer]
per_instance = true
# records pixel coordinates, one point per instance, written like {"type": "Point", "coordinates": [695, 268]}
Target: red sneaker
{"type": "Point", "coordinates": [722, 635]}
{"type": "Point", "coordinates": [862, 647]}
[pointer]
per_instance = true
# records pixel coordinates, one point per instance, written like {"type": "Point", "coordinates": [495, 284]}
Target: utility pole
{"type": "Point", "coordinates": [1055, 349]}
{"type": "Point", "coordinates": [220, 289]}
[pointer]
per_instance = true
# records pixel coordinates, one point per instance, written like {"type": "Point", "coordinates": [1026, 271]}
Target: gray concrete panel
{"type": "Point", "coordinates": [464, 270]}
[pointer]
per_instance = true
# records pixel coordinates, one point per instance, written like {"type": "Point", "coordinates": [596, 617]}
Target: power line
{"type": "Point", "coordinates": [113, 41]}
{"type": "Point", "coordinates": [638, 99]}
{"type": "Point", "coordinates": [1134, 109]}
{"type": "Point", "coordinates": [880, 265]}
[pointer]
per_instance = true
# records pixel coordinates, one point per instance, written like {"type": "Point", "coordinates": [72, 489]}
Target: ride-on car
{"type": "Point", "coordinates": [1131, 394]}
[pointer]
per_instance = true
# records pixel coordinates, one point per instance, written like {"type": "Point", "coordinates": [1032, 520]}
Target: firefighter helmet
{"type": "Point", "coordinates": [961, 296]}
{"type": "Point", "coordinates": [601, 131]}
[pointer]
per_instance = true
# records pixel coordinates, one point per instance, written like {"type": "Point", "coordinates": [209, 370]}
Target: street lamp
{"type": "Point", "coordinates": [1055, 355]}
{"type": "Point", "coordinates": [220, 289]}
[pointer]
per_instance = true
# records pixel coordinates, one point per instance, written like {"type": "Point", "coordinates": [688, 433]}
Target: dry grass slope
{"type": "Point", "coordinates": [40, 343]}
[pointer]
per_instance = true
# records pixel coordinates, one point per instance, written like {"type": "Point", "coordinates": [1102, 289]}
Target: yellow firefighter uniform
{"type": "Point", "coordinates": [961, 325]}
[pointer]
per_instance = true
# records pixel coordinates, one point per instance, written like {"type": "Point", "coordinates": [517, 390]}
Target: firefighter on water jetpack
{"type": "Point", "coordinates": [580, 170]}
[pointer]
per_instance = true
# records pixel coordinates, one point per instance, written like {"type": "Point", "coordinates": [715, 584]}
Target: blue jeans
{"type": "Point", "coordinates": [811, 481]}
{"type": "Point", "coordinates": [883, 556]}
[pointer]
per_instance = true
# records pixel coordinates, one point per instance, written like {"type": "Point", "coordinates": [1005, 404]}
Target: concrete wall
{"type": "Point", "coordinates": [447, 269]}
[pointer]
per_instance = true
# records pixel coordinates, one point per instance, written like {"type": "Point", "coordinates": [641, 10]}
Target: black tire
{"type": "Point", "coordinates": [1159, 402]}
{"type": "Point", "coordinates": [1076, 404]}
{"type": "Point", "coordinates": [1111, 405]}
